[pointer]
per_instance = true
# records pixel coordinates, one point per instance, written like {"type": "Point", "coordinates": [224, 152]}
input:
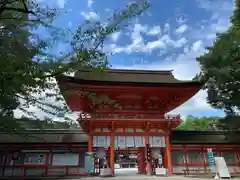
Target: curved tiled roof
{"type": "Point", "coordinates": [126, 77]}
{"type": "Point", "coordinates": [45, 136]}
{"type": "Point", "coordinates": [205, 137]}
{"type": "Point", "coordinates": [78, 136]}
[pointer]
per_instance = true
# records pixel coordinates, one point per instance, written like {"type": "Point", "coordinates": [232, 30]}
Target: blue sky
{"type": "Point", "coordinates": [169, 36]}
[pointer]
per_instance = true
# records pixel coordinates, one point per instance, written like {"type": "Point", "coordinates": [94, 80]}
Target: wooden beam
{"type": "Point", "coordinates": [130, 133]}
{"type": "Point", "coordinates": [176, 86]}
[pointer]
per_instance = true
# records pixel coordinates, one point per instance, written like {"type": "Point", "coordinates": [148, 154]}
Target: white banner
{"type": "Point", "coordinates": [151, 141]}
{"type": "Point", "coordinates": [95, 143]}
{"type": "Point", "coordinates": [102, 141]}
{"type": "Point", "coordinates": [121, 141]}
{"type": "Point", "coordinates": [108, 141]}
{"type": "Point", "coordinates": [163, 144]}
{"type": "Point", "coordinates": [130, 141]}
{"type": "Point", "coordinates": [157, 141]}
{"type": "Point", "coordinates": [116, 142]}
{"type": "Point", "coordinates": [138, 141]}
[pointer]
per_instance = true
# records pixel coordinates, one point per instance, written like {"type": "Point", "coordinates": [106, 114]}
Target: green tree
{"type": "Point", "coordinates": [27, 68]}
{"type": "Point", "coordinates": [220, 67]}
{"type": "Point", "coordinates": [46, 123]}
{"type": "Point", "coordinates": [199, 124]}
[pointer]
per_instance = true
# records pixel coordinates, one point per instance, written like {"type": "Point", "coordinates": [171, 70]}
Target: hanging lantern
{"type": "Point", "coordinates": [149, 153]}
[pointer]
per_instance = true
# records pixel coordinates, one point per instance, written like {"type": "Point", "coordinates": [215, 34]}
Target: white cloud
{"type": "Point", "coordinates": [155, 30]}
{"type": "Point", "coordinates": [197, 45]}
{"type": "Point", "coordinates": [181, 29]}
{"type": "Point", "coordinates": [195, 105]}
{"type": "Point", "coordinates": [155, 44]}
{"type": "Point", "coordinates": [181, 42]}
{"type": "Point", "coordinates": [69, 23]}
{"type": "Point", "coordinates": [61, 3]}
{"type": "Point", "coordinates": [139, 45]}
{"type": "Point", "coordinates": [166, 28]}
{"type": "Point", "coordinates": [184, 67]}
{"type": "Point", "coordinates": [221, 11]}
{"type": "Point", "coordinates": [90, 16]}
{"type": "Point", "coordinates": [58, 3]}
{"type": "Point", "coordinates": [90, 2]}
{"type": "Point", "coordinates": [115, 36]}
{"type": "Point", "coordinates": [136, 33]}
{"type": "Point", "coordinates": [181, 20]}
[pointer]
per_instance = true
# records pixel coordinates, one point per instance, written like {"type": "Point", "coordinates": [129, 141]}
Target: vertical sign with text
{"type": "Point", "coordinates": [210, 157]}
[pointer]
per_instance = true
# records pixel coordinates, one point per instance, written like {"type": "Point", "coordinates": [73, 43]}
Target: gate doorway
{"type": "Point", "coordinates": [126, 162]}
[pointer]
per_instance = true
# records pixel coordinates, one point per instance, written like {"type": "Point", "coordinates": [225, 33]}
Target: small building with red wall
{"type": "Point", "coordinates": [59, 153]}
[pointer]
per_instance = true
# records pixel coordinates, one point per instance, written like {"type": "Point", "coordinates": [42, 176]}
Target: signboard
{"type": "Point", "coordinates": [89, 162]}
{"type": "Point", "coordinates": [160, 161]}
{"type": "Point", "coordinates": [211, 160]}
{"type": "Point", "coordinates": [35, 158]}
{"type": "Point", "coordinates": [132, 156]}
{"type": "Point", "coordinates": [65, 159]}
{"type": "Point", "coordinates": [221, 167]}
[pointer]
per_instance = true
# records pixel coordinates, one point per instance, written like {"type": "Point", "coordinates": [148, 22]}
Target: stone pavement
{"type": "Point", "coordinates": [130, 174]}
{"type": "Point", "coordinates": [142, 178]}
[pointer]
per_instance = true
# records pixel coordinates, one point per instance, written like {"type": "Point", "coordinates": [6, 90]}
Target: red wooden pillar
{"type": "Point", "coordinates": [112, 157]}
{"type": "Point", "coordinates": [108, 155]}
{"type": "Point", "coordinates": [203, 154]}
{"type": "Point", "coordinates": [140, 157]}
{"type": "Point", "coordinates": [90, 143]}
{"type": "Point", "coordinates": [236, 157]}
{"type": "Point", "coordinates": [168, 154]}
{"type": "Point", "coordinates": [148, 162]}
{"type": "Point", "coordinates": [46, 163]}
{"type": "Point", "coordinates": [185, 157]}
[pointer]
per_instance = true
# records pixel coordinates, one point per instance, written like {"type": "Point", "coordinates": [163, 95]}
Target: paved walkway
{"type": "Point", "coordinates": [143, 178]}
{"type": "Point", "coordinates": [131, 174]}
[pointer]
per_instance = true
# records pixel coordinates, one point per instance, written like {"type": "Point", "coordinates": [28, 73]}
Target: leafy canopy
{"type": "Point", "coordinates": [199, 124]}
{"type": "Point", "coordinates": [220, 67]}
{"type": "Point", "coordinates": [27, 68]}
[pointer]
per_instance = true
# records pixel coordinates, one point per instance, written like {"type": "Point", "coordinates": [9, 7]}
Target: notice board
{"type": "Point", "coordinates": [221, 167]}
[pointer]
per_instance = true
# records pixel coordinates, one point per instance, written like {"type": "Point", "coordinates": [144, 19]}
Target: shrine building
{"type": "Point", "coordinates": [121, 111]}
{"type": "Point", "coordinates": [128, 105]}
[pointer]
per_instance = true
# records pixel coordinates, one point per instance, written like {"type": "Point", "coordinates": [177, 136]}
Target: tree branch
{"type": "Point", "coordinates": [19, 10]}
{"type": "Point", "coordinates": [4, 7]}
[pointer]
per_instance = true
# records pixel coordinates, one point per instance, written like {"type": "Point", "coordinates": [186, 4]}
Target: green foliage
{"type": "Point", "coordinates": [221, 69]}
{"type": "Point", "coordinates": [27, 69]}
{"type": "Point", "coordinates": [229, 123]}
{"type": "Point", "coordinates": [44, 124]}
{"type": "Point", "coordinates": [199, 124]}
